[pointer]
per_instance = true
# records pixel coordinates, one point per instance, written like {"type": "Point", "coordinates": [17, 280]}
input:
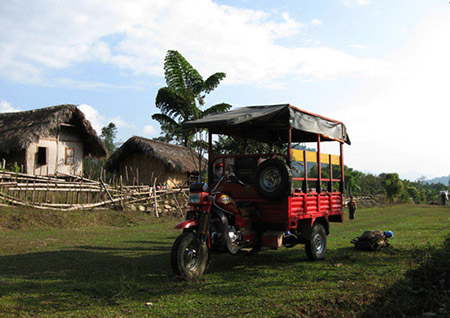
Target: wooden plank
{"type": "Point", "coordinates": [106, 189]}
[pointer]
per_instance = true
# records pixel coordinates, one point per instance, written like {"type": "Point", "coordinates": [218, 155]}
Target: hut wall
{"type": "Point", "coordinates": [64, 153]}
{"type": "Point", "coordinates": [149, 167]}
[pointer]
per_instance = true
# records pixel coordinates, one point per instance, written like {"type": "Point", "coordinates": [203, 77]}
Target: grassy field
{"type": "Point", "coordinates": [111, 264]}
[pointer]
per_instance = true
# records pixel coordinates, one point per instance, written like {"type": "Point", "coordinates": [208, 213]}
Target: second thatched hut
{"type": "Point", "coordinates": [141, 160]}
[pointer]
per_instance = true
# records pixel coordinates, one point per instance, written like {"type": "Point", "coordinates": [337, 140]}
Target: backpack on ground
{"type": "Point", "coordinates": [372, 240]}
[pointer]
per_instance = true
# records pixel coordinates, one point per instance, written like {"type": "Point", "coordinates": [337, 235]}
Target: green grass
{"type": "Point", "coordinates": [116, 264]}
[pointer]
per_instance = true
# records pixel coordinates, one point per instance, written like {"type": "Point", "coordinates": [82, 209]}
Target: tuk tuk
{"type": "Point", "coordinates": [266, 200]}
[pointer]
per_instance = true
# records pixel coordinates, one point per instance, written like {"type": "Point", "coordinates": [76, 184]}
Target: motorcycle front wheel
{"type": "Point", "coordinates": [189, 257]}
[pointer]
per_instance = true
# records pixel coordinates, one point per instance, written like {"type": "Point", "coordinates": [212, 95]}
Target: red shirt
{"type": "Point", "coordinates": [351, 204]}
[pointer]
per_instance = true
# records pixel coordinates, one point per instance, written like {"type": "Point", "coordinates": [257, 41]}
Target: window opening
{"type": "Point", "coordinates": [70, 156]}
{"type": "Point", "coordinates": [42, 156]}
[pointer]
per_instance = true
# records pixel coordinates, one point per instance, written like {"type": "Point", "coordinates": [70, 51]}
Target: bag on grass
{"type": "Point", "coordinates": [371, 240]}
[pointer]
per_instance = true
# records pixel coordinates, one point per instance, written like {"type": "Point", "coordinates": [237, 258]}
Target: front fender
{"type": "Point", "coordinates": [186, 224]}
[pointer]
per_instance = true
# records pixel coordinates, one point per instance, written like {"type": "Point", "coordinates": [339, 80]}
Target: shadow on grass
{"type": "Point", "coordinates": [291, 269]}
{"type": "Point", "coordinates": [97, 275]}
{"type": "Point", "coordinates": [83, 276]}
{"type": "Point", "coordinates": [152, 246]}
{"type": "Point", "coordinates": [87, 275]}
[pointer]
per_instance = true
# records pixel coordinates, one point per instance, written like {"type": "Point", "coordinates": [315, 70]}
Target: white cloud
{"type": "Point", "coordinates": [358, 46]}
{"type": "Point", "coordinates": [149, 131]}
{"type": "Point", "coordinates": [328, 63]}
{"type": "Point", "coordinates": [99, 121]}
{"type": "Point", "coordinates": [120, 123]}
{"type": "Point", "coordinates": [351, 3]}
{"type": "Point", "coordinates": [316, 21]}
{"type": "Point", "coordinates": [401, 121]}
{"type": "Point", "coordinates": [44, 38]}
{"type": "Point", "coordinates": [6, 107]}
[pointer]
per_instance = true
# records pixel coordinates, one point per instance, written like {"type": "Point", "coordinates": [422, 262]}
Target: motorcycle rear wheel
{"type": "Point", "coordinates": [189, 257]}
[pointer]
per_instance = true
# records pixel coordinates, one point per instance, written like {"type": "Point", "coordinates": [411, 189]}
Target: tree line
{"type": "Point", "coordinates": [393, 187]}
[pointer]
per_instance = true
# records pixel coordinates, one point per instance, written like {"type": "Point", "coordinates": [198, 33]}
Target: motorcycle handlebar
{"type": "Point", "coordinates": [231, 177]}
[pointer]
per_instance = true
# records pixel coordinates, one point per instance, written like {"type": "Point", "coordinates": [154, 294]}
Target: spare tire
{"type": "Point", "coordinates": [273, 179]}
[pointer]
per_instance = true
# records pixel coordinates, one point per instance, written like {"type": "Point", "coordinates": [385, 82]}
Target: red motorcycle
{"type": "Point", "coordinates": [214, 224]}
{"type": "Point", "coordinates": [263, 201]}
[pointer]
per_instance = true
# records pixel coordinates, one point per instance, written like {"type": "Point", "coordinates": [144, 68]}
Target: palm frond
{"type": "Point", "coordinates": [165, 120]}
{"type": "Point", "coordinates": [184, 96]}
{"type": "Point", "coordinates": [179, 74]}
{"type": "Point", "coordinates": [172, 103]}
{"type": "Point", "coordinates": [213, 81]}
{"type": "Point", "coordinates": [219, 108]}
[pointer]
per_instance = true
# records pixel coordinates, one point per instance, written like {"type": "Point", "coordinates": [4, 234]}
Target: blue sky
{"type": "Point", "coordinates": [382, 66]}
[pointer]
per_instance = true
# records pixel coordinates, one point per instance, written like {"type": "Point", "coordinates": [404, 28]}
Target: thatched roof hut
{"type": "Point", "coordinates": [154, 159]}
{"type": "Point", "coordinates": [49, 140]}
{"type": "Point", "coordinates": [18, 130]}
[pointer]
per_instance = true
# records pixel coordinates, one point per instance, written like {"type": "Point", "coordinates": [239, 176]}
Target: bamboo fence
{"type": "Point", "coordinates": [69, 192]}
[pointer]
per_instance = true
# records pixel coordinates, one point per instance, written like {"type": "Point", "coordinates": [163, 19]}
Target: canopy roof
{"type": "Point", "coordinates": [271, 123]}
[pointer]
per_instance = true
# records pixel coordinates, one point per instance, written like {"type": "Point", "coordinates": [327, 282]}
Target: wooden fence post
{"type": "Point", "coordinates": [137, 176]}
{"type": "Point", "coordinates": [48, 187]}
{"type": "Point", "coordinates": [154, 194]}
{"type": "Point", "coordinates": [120, 193]}
{"type": "Point", "coordinates": [34, 190]}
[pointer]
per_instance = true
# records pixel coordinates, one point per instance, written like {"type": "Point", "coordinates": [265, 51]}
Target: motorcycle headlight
{"type": "Point", "coordinates": [194, 198]}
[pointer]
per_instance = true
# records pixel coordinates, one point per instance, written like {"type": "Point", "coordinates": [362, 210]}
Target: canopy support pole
{"type": "Point", "coordinates": [319, 167]}
{"type": "Point", "coordinates": [289, 154]}
{"type": "Point", "coordinates": [305, 170]}
{"type": "Point", "coordinates": [210, 164]}
{"type": "Point", "coordinates": [341, 185]}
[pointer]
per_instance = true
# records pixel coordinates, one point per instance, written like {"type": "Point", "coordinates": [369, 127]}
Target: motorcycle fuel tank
{"type": "Point", "coordinates": [226, 202]}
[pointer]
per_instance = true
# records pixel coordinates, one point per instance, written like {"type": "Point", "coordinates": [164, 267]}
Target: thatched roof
{"type": "Point", "coordinates": [20, 129]}
{"type": "Point", "coordinates": [174, 157]}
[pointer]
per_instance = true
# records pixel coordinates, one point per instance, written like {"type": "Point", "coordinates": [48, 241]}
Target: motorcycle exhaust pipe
{"type": "Point", "coordinates": [224, 229]}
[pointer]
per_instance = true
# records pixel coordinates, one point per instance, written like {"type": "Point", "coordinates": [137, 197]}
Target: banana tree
{"type": "Point", "coordinates": [183, 99]}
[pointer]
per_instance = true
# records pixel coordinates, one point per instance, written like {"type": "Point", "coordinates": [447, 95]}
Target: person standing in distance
{"type": "Point", "coordinates": [351, 208]}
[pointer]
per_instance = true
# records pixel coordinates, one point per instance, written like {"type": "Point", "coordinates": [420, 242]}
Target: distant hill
{"type": "Point", "coordinates": [443, 180]}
